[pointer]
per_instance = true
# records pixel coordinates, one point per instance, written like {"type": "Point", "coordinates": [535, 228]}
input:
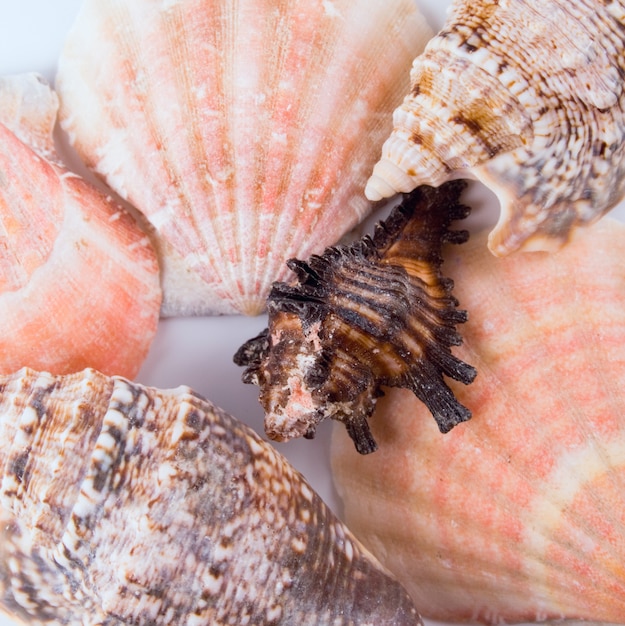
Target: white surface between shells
{"type": "Point", "coordinates": [193, 351]}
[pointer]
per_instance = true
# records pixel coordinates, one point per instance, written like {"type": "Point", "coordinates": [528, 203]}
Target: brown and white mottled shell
{"type": "Point", "coordinates": [376, 313]}
{"type": "Point", "coordinates": [517, 515]}
{"type": "Point", "coordinates": [527, 97]}
{"type": "Point", "coordinates": [79, 280]}
{"type": "Point", "coordinates": [122, 504]}
{"type": "Point", "coordinates": [245, 132]}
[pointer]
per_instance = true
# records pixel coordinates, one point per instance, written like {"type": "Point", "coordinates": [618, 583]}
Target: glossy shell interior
{"type": "Point", "coordinates": [79, 280]}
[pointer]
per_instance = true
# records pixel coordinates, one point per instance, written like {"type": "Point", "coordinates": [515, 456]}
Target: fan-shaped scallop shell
{"type": "Point", "coordinates": [79, 280]}
{"type": "Point", "coordinates": [526, 97]}
{"type": "Point", "coordinates": [519, 514]}
{"type": "Point", "coordinates": [121, 504]}
{"type": "Point", "coordinates": [244, 131]}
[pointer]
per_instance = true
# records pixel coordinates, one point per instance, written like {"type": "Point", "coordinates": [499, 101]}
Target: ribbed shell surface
{"type": "Point", "coordinates": [243, 130]}
{"type": "Point", "coordinates": [121, 504]}
{"type": "Point", "coordinates": [526, 96]}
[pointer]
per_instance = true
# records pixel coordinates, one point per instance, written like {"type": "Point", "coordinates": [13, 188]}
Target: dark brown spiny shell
{"type": "Point", "coordinates": [377, 312]}
{"type": "Point", "coordinates": [123, 504]}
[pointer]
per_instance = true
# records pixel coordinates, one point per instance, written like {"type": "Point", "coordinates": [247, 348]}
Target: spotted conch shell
{"type": "Point", "coordinates": [527, 97]}
{"type": "Point", "coordinates": [245, 132]}
{"type": "Point", "coordinates": [79, 280]}
{"type": "Point", "coordinates": [123, 504]}
{"type": "Point", "coordinates": [518, 514]}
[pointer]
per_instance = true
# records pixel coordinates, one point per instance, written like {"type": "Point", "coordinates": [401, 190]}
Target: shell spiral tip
{"type": "Point", "coordinates": [386, 180]}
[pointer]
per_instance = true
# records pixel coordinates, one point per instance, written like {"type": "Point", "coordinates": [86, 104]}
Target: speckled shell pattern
{"type": "Point", "coordinates": [121, 504]}
{"type": "Point", "coordinates": [244, 131]}
{"type": "Point", "coordinates": [526, 96]}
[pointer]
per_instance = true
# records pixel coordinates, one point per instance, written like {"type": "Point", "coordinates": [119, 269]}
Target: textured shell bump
{"type": "Point", "coordinates": [123, 504]}
{"type": "Point", "coordinates": [244, 131]}
{"type": "Point", "coordinates": [79, 279]}
{"type": "Point", "coordinates": [517, 515]}
{"type": "Point", "coordinates": [528, 98]}
{"type": "Point", "coordinates": [377, 312]}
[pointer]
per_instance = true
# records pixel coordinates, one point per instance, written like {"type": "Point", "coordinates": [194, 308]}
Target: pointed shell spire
{"type": "Point", "coordinates": [124, 504]}
{"type": "Point", "coordinates": [528, 98]}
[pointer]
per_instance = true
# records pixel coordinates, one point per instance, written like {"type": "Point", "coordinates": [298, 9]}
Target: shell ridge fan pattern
{"type": "Point", "coordinates": [248, 143]}
{"type": "Point", "coordinates": [376, 313]}
{"type": "Point", "coordinates": [124, 504]}
{"type": "Point", "coordinates": [528, 98]}
{"type": "Point", "coordinates": [171, 25]}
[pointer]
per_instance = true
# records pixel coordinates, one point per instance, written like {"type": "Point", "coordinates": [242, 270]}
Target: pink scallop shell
{"type": "Point", "coordinates": [243, 131]}
{"type": "Point", "coordinates": [79, 280]}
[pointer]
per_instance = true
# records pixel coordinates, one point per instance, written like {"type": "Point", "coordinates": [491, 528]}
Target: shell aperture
{"type": "Point", "coordinates": [527, 97]}
{"type": "Point", "coordinates": [359, 317]}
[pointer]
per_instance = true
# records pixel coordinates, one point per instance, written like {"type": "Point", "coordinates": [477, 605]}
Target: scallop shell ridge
{"type": "Point", "coordinates": [254, 127]}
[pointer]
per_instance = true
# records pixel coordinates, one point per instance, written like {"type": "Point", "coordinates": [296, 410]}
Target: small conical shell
{"type": "Point", "coordinates": [79, 280]}
{"type": "Point", "coordinates": [243, 131]}
{"type": "Point", "coordinates": [528, 98]}
{"type": "Point", "coordinates": [518, 514]}
{"type": "Point", "coordinates": [122, 504]}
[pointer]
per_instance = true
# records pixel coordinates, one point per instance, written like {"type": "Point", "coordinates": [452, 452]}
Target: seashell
{"type": "Point", "coordinates": [244, 132]}
{"type": "Point", "coordinates": [29, 109]}
{"type": "Point", "coordinates": [378, 312]}
{"type": "Point", "coordinates": [79, 280]}
{"type": "Point", "coordinates": [526, 97]}
{"type": "Point", "coordinates": [124, 504]}
{"type": "Point", "coordinates": [517, 515]}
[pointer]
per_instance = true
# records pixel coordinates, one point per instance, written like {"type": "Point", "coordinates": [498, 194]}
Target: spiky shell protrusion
{"type": "Point", "coordinates": [243, 131]}
{"type": "Point", "coordinates": [124, 504]}
{"type": "Point", "coordinates": [360, 317]}
{"type": "Point", "coordinates": [528, 98]}
{"type": "Point", "coordinates": [518, 514]}
{"type": "Point", "coordinates": [79, 280]}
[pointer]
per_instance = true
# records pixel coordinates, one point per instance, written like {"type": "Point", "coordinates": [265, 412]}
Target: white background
{"type": "Point", "coordinates": [196, 352]}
